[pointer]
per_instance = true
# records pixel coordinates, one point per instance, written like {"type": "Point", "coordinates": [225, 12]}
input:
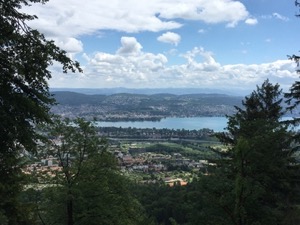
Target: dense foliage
{"type": "Point", "coordinates": [25, 57]}
{"type": "Point", "coordinates": [87, 188]}
{"type": "Point", "coordinates": [256, 181]}
{"type": "Point", "coordinates": [261, 159]}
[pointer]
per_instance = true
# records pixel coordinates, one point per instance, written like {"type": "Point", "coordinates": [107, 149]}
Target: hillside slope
{"type": "Point", "coordinates": [125, 106]}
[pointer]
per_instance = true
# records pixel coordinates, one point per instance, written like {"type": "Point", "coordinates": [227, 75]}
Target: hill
{"type": "Point", "coordinates": [126, 106]}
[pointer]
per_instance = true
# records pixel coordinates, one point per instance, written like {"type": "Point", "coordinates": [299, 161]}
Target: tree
{"type": "Point", "coordinates": [73, 143]}
{"type": "Point", "coordinates": [87, 188]}
{"type": "Point", "coordinates": [259, 163]}
{"type": "Point", "coordinates": [166, 205]}
{"type": "Point", "coordinates": [263, 105]}
{"type": "Point", "coordinates": [25, 56]}
{"type": "Point", "coordinates": [293, 96]}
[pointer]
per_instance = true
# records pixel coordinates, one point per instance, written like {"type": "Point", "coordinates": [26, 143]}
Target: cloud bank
{"type": "Point", "coordinates": [133, 68]}
{"type": "Point", "coordinates": [62, 18]}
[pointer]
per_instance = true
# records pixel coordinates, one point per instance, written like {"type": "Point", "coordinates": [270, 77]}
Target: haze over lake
{"type": "Point", "coordinates": [195, 123]}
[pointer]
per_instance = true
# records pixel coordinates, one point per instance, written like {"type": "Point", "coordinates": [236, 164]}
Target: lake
{"type": "Point", "coordinates": [188, 123]}
{"type": "Point", "coordinates": [191, 123]}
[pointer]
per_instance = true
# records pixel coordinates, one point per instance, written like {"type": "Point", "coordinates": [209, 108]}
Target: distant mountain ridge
{"type": "Point", "coordinates": [75, 98]}
{"type": "Point", "coordinates": [150, 91]}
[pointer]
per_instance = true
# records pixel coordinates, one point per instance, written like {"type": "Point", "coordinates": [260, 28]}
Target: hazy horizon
{"type": "Point", "coordinates": [177, 91]}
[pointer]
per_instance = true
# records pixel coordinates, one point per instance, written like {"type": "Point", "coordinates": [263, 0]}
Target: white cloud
{"type": "Point", "coordinates": [280, 17]}
{"type": "Point", "coordinates": [208, 63]}
{"type": "Point", "coordinates": [276, 16]}
{"type": "Point", "coordinates": [130, 46]}
{"type": "Point", "coordinates": [72, 18]}
{"type": "Point", "coordinates": [71, 45]}
{"type": "Point", "coordinates": [232, 24]}
{"type": "Point", "coordinates": [170, 37]}
{"type": "Point", "coordinates": [251, 21]}
{"type": "Point", "coordinates": [201, 31]}
{"type": "Point", "coordinates": [131, 67]}
{"type": "Point", "coordinates": [213, 11]}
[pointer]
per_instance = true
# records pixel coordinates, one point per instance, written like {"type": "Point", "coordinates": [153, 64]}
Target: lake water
{"type": "Point", "coordinates": [195, 123]}
{"type": "Point", "coordinates": [188, 123]}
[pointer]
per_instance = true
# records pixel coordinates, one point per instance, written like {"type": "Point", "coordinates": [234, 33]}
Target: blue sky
{"type": "Point", "coordinates": [220, 44]}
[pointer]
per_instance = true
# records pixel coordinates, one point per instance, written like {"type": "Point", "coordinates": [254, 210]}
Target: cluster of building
{"type": "Point", "coordinates": [137, 159]}
{"type": "Point", "coordinates": [48, 165]}
{"type": "Point", "coordinates": [134, 160]}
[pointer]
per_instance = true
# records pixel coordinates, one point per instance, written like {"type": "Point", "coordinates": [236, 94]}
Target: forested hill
{"type": "Point", "coordinates": [127, 106]}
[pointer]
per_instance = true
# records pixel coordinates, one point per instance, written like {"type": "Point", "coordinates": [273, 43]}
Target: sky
{"type": "Point", "coordinates": [214, 44]}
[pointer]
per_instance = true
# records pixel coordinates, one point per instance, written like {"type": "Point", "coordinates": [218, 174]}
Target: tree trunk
{"type": "Point", "coordinates": [70, 209]}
